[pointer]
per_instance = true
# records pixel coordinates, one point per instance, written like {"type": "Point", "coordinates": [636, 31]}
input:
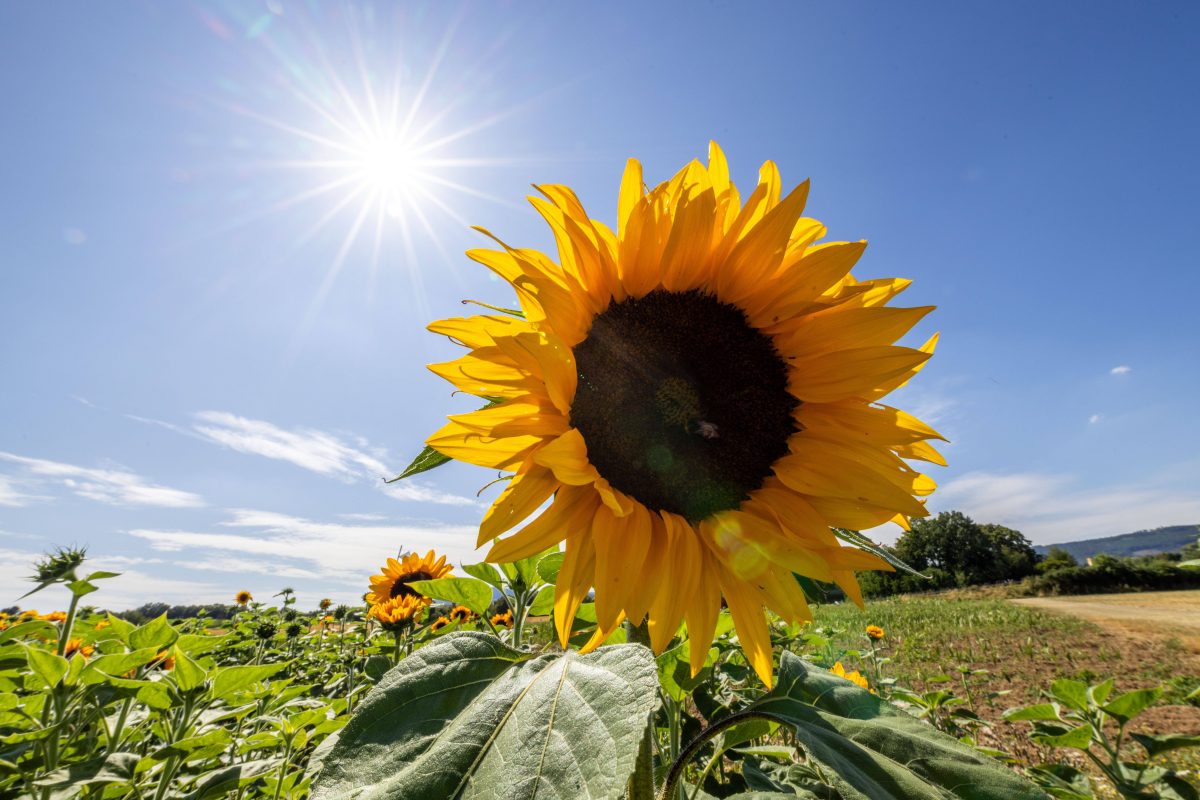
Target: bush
{"type": "Point", "coordinates": [1108, 574]}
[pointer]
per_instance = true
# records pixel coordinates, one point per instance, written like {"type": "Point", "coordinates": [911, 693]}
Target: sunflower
{"type": "Point", "coordinates": [243, 597]}
{"type": "Point", "coordinates": [325, 604]}
{"type": "Point", "coordinates": [438, 624]}
{"type": "Point", "coordinates": [875, 632]}
{"type": "Point", "coordinates": [102, 624]}
{"type": "Point", "coordinates": [461, 614]}
{"type": "Point", "coordinates": [164, 661]}
{"type": "Point", "coordinates": [394, 577]}
{"type": "Point", "coordinates": [504, 620]}
{"type": "Point", "coordinates": [76, 645]}
{"type": "Point", "coordinates": [55, 616]}
{"type": "Point", "coordinates": [854, 677]}
{"type": "Point", "coordinates": [698, 394]}
{"type": "Point", "coordinates": [399, 611]}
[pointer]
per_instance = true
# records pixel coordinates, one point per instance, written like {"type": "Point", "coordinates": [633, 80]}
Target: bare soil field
{"type": "Point", "coordinates": [1140, 615]}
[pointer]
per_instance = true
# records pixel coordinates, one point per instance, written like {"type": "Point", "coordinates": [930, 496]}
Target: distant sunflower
{"type": "Point", "coordinates": [399, 611]}
{"type": "Point", "coordinates": [102, 624]}
{"type": "Point", "coordinates": [698, 393]}
{"type": "Point", "coordinates": [438, 624]}
{"type": "Point", "coordinates": [325, 604]}
{"type": "Point", "coordinates": [55, 616]}
{"type": "Point", "coordinates": [461, 614]}
{"type": "Point", "coordinates": [504, 620]}
{"type": "Point", "coordinates": [243, 597]}
{"type": "Point", "coordinates": [875, 632]}
{"type": "Point", "coordinates": [76, 645]}
{"type": "Point", "coordinates": [394, 577]}
{"type": "Point", "coordinates": [854, 677]}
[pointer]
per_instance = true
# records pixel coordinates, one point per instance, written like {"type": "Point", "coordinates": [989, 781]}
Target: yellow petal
{"type": "Point", "coordinates": [845, 329]}
{"type": "Point", "coordinates": [548, 356]}
{"type": "Point", "coordinates": [920, 451]}
{"type": "Point", "coordinates": [750, 622]}
{"type": "Point", "coordinates": [621, 545]}
{"type": "Point", "coordinates": [681, 567]}
{"type": "Point", "coordinates": [632, 192]}
{"type": "Point", "coordinates": [575, 579]}
{"type": "Point", "coordinates": [860, 372]}
{"type": "Point", "coordinates": [520, 417]}
{"type": "Point", "coordinates": [571, 509]}
{"type": "Point", "coordinates": [523, 495]}
{"type": "Point", "coordinates": [567, 457]}
{"type": "Point", "coordinates": [479, 331]}
{"type": "Point", "coordinates": [464, 444]}
{"type": "Point", "coordinates": [703, 608]}
{"type": "Point", "coordinates": [758, 255]}
{"type": "Point", "coordinates": [486, 372]}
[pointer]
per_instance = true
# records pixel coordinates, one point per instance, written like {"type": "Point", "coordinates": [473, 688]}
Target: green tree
{"type": "Point", "coordinates": [1014, 555]}
{"type": "Point", "coordinates": [952, 543]}
{"type": "Point", "coordinates": [1056, 558]}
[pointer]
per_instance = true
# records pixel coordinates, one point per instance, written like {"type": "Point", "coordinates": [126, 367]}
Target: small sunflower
{"type": "Point", "coordinates": [325, 604]}
{"type": "Point", "coordinates": [399, 611]}
{"type": "Point", "coordinates": [55, 616]}
{"type": "Point", "coordinates": [102, 624]}
{"type": "Point", "coordinates": [164, 661]}
{"type": "Point", "coordinates": [438, 624]}
{"type": "Point", "coordinates": [854, 677]}
{"type": "Point", "coordinates": [503, 620]}
{"type": "Point", "coordinates": [4, 624]}
{"type": "Point", "coordinates": [461, 614]}
{"type": "Point", "coordinates": [243, 597]}
{"type": "Point", "coordinates": [394, 577]}
{"type": "Point", "coordinates": [875, 632]}
{"type": "Point", "coordinates": [76, 645]}
{"type": "Point", "coordinates": [697, 394]}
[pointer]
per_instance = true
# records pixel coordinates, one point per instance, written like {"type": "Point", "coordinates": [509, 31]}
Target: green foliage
{"type": "Point", "coordinates": [1056, 558]}
{"type": "Point", "coordinates": [1109, 574]}
{"type": "Point", "coordinates": [1090, 719]}
{"type": "Point", "coordinates": [468, 717]}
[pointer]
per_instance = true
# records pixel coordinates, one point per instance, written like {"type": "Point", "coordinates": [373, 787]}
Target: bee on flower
{"type": "Point", "coordinates": [875, 632]}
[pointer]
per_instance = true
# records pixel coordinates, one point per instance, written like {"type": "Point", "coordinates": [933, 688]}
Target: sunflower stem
{"type": "Point", "coordinates": [641, 782]}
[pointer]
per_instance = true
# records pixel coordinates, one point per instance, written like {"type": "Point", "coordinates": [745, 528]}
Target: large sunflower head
{"type": "Point", "coordinates": [698, 394]}
{"type": "Point", "coordinates": [395, 576]}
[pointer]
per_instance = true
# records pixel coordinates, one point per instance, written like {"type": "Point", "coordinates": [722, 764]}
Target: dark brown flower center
{"type": "Point", "coordinates": [400, 587]}
{"type": "Point", "coordinates": [683, 405]}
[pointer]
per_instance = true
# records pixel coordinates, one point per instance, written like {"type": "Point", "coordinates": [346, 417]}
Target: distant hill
{"type": "Point", "coordinates": [1139, 543]}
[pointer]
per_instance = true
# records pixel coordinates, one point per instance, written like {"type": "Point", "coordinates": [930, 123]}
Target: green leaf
{"type": "Point", "coordinates": [474, 594]}
{"type": "Point", "coordinates": [486, 573]}
{"type": "Point", "coordinates": [26, 630]}
{"type": "Point", "coordinates": [1099, 693]}
{"type": "Point", "coordinates": [48, 666]}
{"type": "Point", "coordinates": [527, 568]}
{"type": "Point", "coordinates": [1127, 706]}
{"type": "Point", "coordinates": [549, 565]}
{"type": "Point", "coordinates": [543, 604]}
{"type": "Point", "coordinates": [1164, 743]}
{"type": "Point", "coordinates": [102, 668]}
{"type": "Point", "coordinates": [185, 747]}
{"type": "Point", "coordinates": [864, 543]}
{"type": "Point", "coordinates": [122, 628]}
{"type": "Point", "coordinates": [82, 587]}
{"type": "Point", "coordinates": [101, 575]}
{"type": "Point", "coordinates": [468, 718]}
{"type": "Point", "coordinates": [227, 780]}
{"type": "Point", "coordinates": [194, 644]}
{"type": "Point", "coordinates": [1078, 738]}
{"type": "Point", "coordinates": [155, 633]}
{"type": "Point", "coordinates": [187, 673]}
{"type": "Point", "coordinates": [1072, 694]}
{"type": "Point", "coordinates": [113, 768]}
{"type": "Point", "coordinates": [153, 693]}
{"type": "Point", "coordinates": [426, 460]}
{"type": "Point", "coordinates": [875, 750]}
{"type": "Point", "coordinates": [228, 681]}
{"type": "Point", "coordinates": [675, 671]}
{"type": "Point", "coordinates": [1041, 711]}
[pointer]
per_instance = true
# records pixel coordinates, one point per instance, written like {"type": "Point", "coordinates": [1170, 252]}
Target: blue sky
{"type": "Point", "coordinates": [213, 326]}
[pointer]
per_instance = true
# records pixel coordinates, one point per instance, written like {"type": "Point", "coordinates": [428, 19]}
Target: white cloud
{"type": "Point", "coordinates": [363, 517]}
{"type": "Point", "coordinates": [1094, 418]}
{"type": "Point", "coordinates": [113, 486]}
{"type": "Point", "coordinates": [12, 495]}
{"type": "Point", "coordinates": [1121, 370]}
{"type": "Point", "coordinates": [333, 551]}
{"type": "Point", "coordinates": [317, 451]}
{"type": "Point", "coordinates": [1049, 508]}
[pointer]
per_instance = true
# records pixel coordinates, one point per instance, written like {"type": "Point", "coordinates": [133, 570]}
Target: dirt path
{"type": "Point", "coordinates": [1159, 615]}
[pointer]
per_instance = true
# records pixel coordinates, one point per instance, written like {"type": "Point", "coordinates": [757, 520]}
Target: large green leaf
{"type": "Point", "coordinates": [470, 592]}
{"type": "Point", "coordinates": [469, 718]}
{"type": "Point", "coordinates": [875, 751]}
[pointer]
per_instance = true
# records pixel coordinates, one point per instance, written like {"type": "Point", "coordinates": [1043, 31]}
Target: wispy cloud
{"type": "Point", "coordinates": [1094, 418]}
{"type": "Point", "coordinates": [13, 494]}
{"type": "Point", "coordinates": [299, 547]}
{"type": "Point", "coordinates": [113, 486]}
{"type": "Point", "coordinates": [1124, 369]}
{"type": "Point", "coordinates": [317, 451]}
{"type": "Point", "coordinates": [1049, 508]}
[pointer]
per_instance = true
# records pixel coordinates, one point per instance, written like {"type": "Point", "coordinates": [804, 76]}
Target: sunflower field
{"type": "Point", "coordinates": [686, 412]}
